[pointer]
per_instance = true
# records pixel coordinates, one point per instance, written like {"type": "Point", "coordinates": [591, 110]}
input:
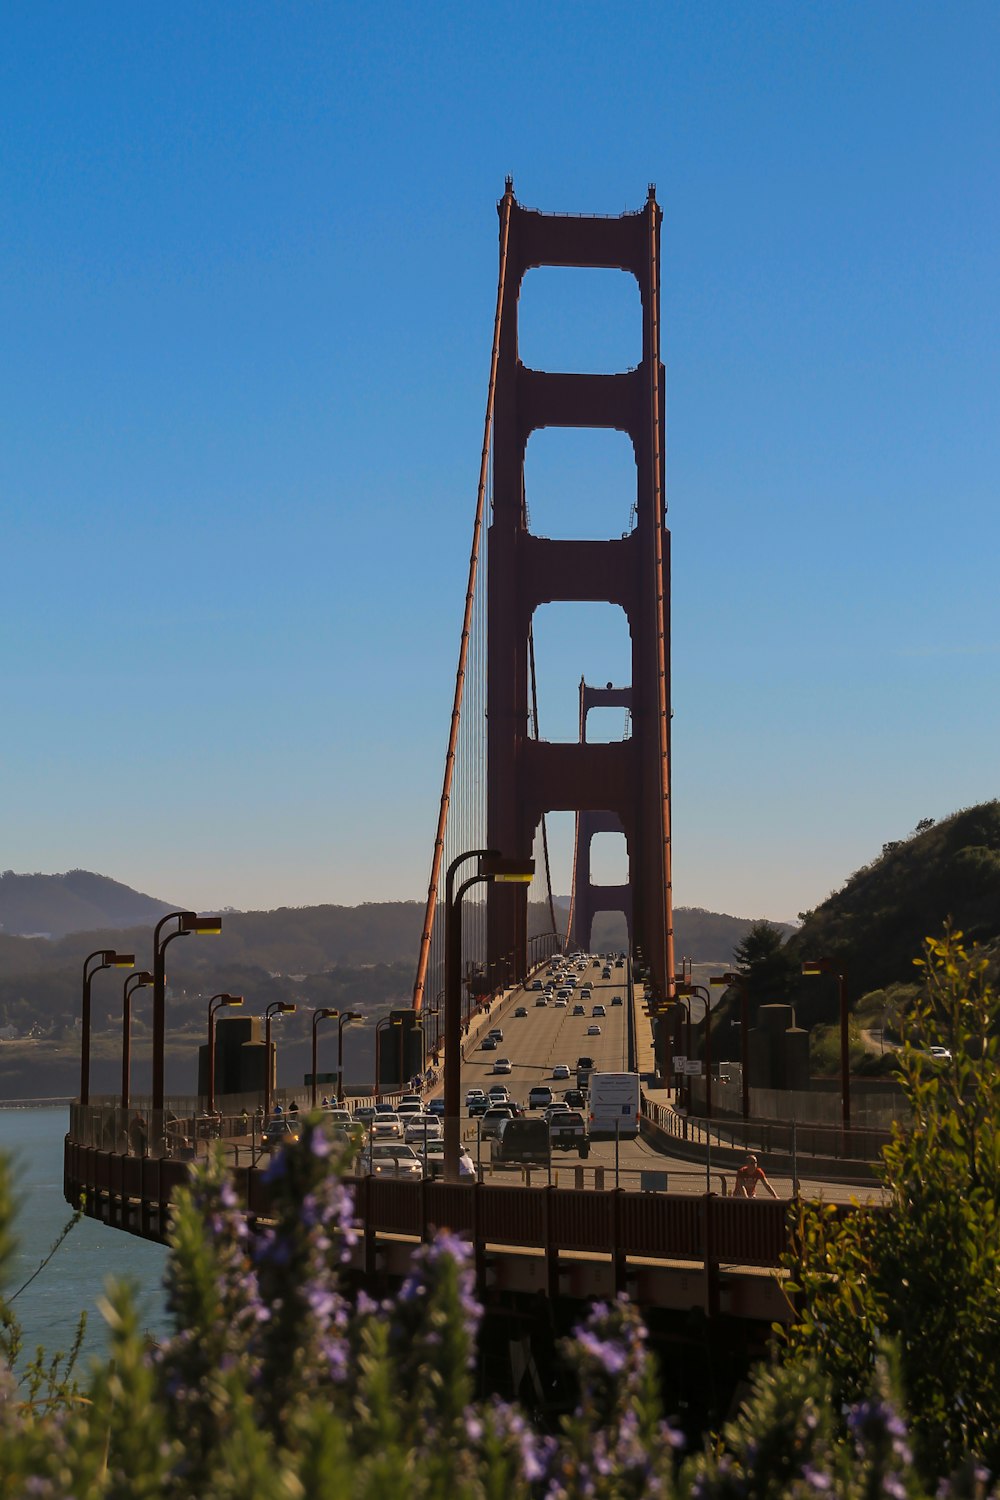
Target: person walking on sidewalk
{"type": "Point", "coordinates": [747, 1178]}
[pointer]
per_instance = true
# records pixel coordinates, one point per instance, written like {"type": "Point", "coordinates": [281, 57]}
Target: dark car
{"type": "Point", "coordinates": [575, 1098]}
{"type": "Point", "coordinates": [523, 1141]}
{"type": "Point", "coordinates": [478, 1107]}
{"type": "Point", "coordinates": [489, 1043]}
{"type": "Point", "coordinates": [585, 1062]}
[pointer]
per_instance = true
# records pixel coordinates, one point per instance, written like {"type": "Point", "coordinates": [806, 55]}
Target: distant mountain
{"type": "Point", "coordinates": [79, 901]}
{"type": "Point", "coordinates": [705, 937]}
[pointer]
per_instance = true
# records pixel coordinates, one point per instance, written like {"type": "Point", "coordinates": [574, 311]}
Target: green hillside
{"type": "Point", "coordinates": [875, 925]}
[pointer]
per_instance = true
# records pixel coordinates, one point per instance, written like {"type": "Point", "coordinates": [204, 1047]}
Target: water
{"type": "Point", "coordinates": [74, 1279]}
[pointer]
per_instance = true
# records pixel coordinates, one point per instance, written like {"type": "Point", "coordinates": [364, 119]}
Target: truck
{"type": "Point", "coordinates": [614, 1105]}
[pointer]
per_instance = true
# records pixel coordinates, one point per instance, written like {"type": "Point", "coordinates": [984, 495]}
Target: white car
{"type": "Point", "coordinates": [423, 1127]}
{"type": "Point", "coordinates": [407, 1107]}
{"type": "Point", "coordinates": [471, 1094]}
{"type": "Point", "coordinates": [599, 1010]}
{"type": "Point", "coordinates": [941, 1054]}
{"type": "Point", "coordinates": [502, 1065]}
{"type": "Point", "coordinates": [593, 1031]}
{"type": "Point", "coordinates": [561, 1070]}
{"type": "Point", "coordinates": [386, 1159]}
{"type": "Point", "coordinates": [387, 1128]}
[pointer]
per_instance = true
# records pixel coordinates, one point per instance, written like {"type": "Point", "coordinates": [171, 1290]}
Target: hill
{"type": "Point", "coordinates": [875, 925]}
{"type": "Point", "coordinates": [79, 901]}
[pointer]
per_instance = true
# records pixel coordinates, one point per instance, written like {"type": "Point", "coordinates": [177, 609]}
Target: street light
{"type": "Point", "coordinates": [187, 922]}
{"type": "Point", "coordinates": [379, 1025]}
{"type": "Point", "coordinates": [109, 959]}
{"type": "Point", "coordinates": [345, 1020]}
{"type": "Point", "coordinates": [278, 1008]}
{"type": "Point", "coordinates": [682, 988]}
{"type": "Point", "coordinates": [684, 1000]}
{"type": "Point", "coordinates": [495, 868]}
{"type": "Point", "coordinates": [216, 1003]}
{"type": "Point", "coordinates": [812, 966]}
{"type": "Point", "coordinates": [326, 1014]}
{"type": "Point", "coordinates": [137, 981]}
{"type": "Point", "coordinates": [739, 982]}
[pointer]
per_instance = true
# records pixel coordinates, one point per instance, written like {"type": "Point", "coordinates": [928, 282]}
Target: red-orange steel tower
{"type": "Point", "coordinates": [589, 899]}
{"type": "Point", "coordinates": [526, 777]}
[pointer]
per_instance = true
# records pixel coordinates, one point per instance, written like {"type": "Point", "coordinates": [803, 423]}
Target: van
{"type": "Point", "coordinates": [614, 1104]}
{"type": "Point", "coordinates": [522, 1141]}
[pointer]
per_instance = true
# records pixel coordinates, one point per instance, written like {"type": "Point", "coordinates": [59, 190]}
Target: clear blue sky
{"type": "Point", "coordinates": [247, 274]}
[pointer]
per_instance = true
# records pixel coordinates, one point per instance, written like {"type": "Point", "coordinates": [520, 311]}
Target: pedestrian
{"type": "Point", "coordinates": [278, 1110]}
{"type": "Point", "coordinates": [293, 1108]}
{"type": "Point", "coordinates": [747, 1178]}
{"type": "Point", "coordinates": [326, 1103]}
{"type": "Point", "coordinates": [466, 1166]}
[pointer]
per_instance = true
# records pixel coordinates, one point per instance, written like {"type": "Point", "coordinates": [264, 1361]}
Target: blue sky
{"type": "Point", "coordinates": [247, 275]}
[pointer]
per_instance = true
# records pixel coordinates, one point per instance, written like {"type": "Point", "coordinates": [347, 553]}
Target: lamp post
{"type": "Point", "coordinates": [739, 983]}
{"type": "Point", "coordinates": [379, 1026]}
{"type": "Point", "coordinates": [345, 1020]}
{"type": "Point", "coordinates": [682, 988]}
{"type": "Point", "coordinates": [109, 959]}
{"type": "Point", "coordinates": [216, 1003]}
{"type": "Point", "coordinates": [492, 867]}
{"type": "Point", "coordinates": [137, 981]}
{"type": "Point", "coordinates": [683, 999]}
{"type": "Point", "coordinates": [326, 1014]}
{"type": "Point", "coordinates": [187, 922]}
{"type": "Point", "coordinates": [813, 966]}
{"type": "Point", "coordinates": [278, 1008]}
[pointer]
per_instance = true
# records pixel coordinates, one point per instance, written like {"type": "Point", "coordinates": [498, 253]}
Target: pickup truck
{"type": "Point", "coordinates": [568, 1132]}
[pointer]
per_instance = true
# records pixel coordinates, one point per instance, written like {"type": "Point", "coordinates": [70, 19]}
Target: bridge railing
{"type": "Point", "coordinates": [771, 1137]}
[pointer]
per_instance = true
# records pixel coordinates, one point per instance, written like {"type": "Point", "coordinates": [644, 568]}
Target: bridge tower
{"type": "Point", "coordinates": [527, 777]}
{"type": "Point", "coordinates": [589, 899]}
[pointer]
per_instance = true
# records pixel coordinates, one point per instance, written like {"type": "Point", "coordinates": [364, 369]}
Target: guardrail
{"type": "Point", "coordinates": [769, 1137]}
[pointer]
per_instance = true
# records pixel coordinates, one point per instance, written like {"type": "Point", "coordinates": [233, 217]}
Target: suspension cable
{"type": "Point", "coordinates": [456, 711]}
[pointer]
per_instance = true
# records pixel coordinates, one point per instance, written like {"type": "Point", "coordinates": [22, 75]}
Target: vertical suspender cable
{"type": "Point", "coordinates": [456, 712]}
{"type": "Point", "coordinates": [662, 688]}
{"type": "Point", "coordinates": [534, 716]}
{"type": "Point", "coordinates": [581, 733]}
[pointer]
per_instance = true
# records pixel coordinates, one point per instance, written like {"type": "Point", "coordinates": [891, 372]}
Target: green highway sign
{"type": "Point", "coordinates": [320, 1078]}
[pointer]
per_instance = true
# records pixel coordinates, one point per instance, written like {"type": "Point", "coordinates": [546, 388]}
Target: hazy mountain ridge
{"type": "Point", "coordinates": [77, 901]}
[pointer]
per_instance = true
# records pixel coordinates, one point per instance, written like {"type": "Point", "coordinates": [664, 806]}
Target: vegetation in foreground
{"type": "Point", "coordinates": [273, 1385]}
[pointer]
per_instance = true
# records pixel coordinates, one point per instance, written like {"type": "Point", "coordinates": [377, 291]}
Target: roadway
{"type": "Point", "coordinates": [552, 1034]}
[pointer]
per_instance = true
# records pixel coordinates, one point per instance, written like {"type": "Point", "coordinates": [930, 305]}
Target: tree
{"type": "Point", "coordinates": [769, 968]}
{"type": "Point", "coordinates": [924, 1273]}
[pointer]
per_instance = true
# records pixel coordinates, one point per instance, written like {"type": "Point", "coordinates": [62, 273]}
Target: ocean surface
{"type": "Point", "coordinates": [74, 1279]}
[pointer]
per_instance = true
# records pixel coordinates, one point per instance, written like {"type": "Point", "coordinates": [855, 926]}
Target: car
{"type": "Point", "coordinates": [498, 1093]}
{"type": "Point", "coordinates": [432, 1158]}
{"type": "Point", "coordinates": [561, 1004]}
{"type": "Point", "coordinates": [561, 1070]}
{"type": "Point", "coordinates": [520, 1013]}
{"type": "Point", "coordinates": [598, 1010]}
{"type": "Point", "coordinates": [586, 994]}
{"type": "Point", "coordinates": [364, 1114]}
{"type": "Point", "coordinates": [540, 1000]}
{"type": "Point", "coordinates": [536, 984]}
{"type": "Point", "coordinates": [494, 1118]}
{"type": "Point", "coordinates": [575, 1098]}
{"type": "Point", "coordinates": [407, 1107]}
{"type": "Point", "coordinates": [502, 1065]}
{"type": "Point", "coordinates": [584, 1062]}
{"type": "Point", "coordinates": [562, 994]}
{"type": "Point", "coordinates": [385, 1159]}
{"type": "Point", "coordinates": [616, 999]}
{"type": "Point", "coordinates": [522, 1141]}
{"type": "Point", "coordinates": [578, 1010]}
{"type": "Point", "coordinates": [488, 1044]}
{"type": "Point", "coordinates": [478, 1106]}
{"type": "Point", "coordinates": [410, 1099]}
{"type": "Point", "coordinates": [420, 1128]}
{"type": "Point", "coordinates": [333, 1115]}
{"type": "Point", "coordinates": [605, 973]}
{"type": "Point", "coordinates": [280, 1132]}
{"type": "Point", "coordinates": [540, 1096]}
{"type": "Point", "coordinates": [436, 1107]}
{"type": "Point", "coordinates": [568, 1132]}
{"type": "Point", "coordinates": [387, 1128]}
{"type": "Point", "coordinates": [940, 1054]}
{"type": "Point", "coordinates": [593, 1031]}
{"type": "Point", "coordinates": [474, 1093]}
{"type": "Point", "coordinates": [385, 1109]}
{"type": "Point", "coordinates": [497, 1031]}
{"type": "Point", "coordinates": [557, 1107]}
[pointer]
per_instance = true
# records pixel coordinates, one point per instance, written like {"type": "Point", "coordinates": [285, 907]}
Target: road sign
{"type": "Point", "coordinates": [320, 1078]}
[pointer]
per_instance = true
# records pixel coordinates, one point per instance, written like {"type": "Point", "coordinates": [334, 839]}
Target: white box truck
{"type": "Point", "coordinates": [614, 1105]}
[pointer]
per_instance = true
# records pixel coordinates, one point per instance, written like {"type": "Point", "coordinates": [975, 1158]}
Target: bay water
{"type": "Point", "coordinates": [48, 1309]}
